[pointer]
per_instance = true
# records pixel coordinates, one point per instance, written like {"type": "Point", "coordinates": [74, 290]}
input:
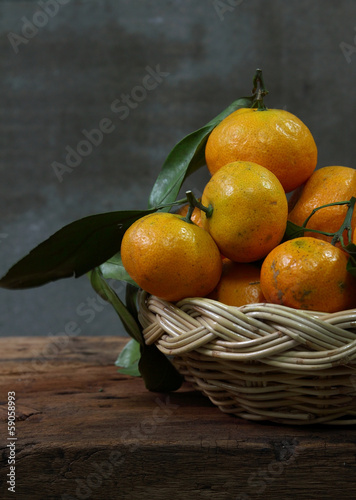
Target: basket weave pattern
{"type": "Point", "coordinates": [260, 361]}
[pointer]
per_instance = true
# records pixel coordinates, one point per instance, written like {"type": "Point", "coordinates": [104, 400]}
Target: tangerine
{"type": "Point", "coordinates": [273, 138]}
{"type": "Point", "coordinates": [249, 210]}
{"type": "Point", "coordinates": [308, 273]}
{"type": "Point", "coordinates": [239, 284]}
{"type": "Point", "coordinates": [326, 185]}
{"type": "Point", "coordinates": [170, 257]}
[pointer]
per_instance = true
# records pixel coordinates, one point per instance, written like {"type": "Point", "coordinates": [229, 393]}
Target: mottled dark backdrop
{"type": "Point", "coordinates": [145, 74]}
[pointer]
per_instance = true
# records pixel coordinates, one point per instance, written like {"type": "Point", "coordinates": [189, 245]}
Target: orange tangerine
{"type": "Point", "coordinates": [170, 257]}
{"type": "Point", "coordinates": [273, 138]}
{"type": "Point", "coordinates": [308, 273]}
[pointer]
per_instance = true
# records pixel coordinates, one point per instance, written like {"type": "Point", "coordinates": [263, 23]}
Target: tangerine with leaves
{"type": "Point", "coordinates": [273, 138]}
{"type": "Point", "coordinates": [247, 211]}
{"type": "Point", "coordinates": [326, 185]}
{"type": "Point", "coordinates": [171, 258]}
{"type": "Point", "coordinates": [239, 284]}
{"type": "Point", "coordinates": [308, 273]}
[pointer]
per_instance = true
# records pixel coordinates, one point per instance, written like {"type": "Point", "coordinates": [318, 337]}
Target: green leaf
{"type": "Point", "coordinates": [187, 157]}
{"type": "Point", "coordinates": [128, 359]}
{"type": "Point", "coordinates": [157, 371]}
{"type": "Point", "coordinates": [73, 250]}
{"type": "Point", "coordinates": [292, 231]}
{"type": "Point", "coordinates": [103, 289]}
{"type": "Point", "coordinates": [114, 268]}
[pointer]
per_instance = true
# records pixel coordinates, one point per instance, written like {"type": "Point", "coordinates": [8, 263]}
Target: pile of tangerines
{"type": "Point", "coordinates": [230, 245]}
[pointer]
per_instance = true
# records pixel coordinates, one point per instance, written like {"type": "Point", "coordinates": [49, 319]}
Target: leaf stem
{"type": "Point", "coordinates": [172, 203]}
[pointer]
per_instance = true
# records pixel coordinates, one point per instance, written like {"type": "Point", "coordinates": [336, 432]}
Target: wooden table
{"type": "Point", "coordinates": [85, 431]}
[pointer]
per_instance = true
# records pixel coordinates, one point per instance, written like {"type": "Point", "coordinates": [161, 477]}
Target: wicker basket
{"type": "Point", "coordinates": [260, 362]}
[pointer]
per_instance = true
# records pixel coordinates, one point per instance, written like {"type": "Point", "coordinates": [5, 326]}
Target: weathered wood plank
{"type": "Point", "coordinates": [85, 431]}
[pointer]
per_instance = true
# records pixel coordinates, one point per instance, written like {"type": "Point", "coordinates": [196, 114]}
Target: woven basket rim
{"type": "Point", "coordinates": [325, 337]}
{"type": "Point", "coordinates": [260, 361]}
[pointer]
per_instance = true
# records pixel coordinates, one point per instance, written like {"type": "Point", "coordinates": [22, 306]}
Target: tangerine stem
{"type": "Point", "coordinates": [193, 202]}
{"type": "Point", "coordinates": [346, 225]}
{"type": "Point", "coordinates": [259, 90]}
{"type": "Point", "coordinates": [188, 217]}
{"type": "Point", "coordinates": [319, 208]}
{"type": "Point", "coordinates": [317, 231]}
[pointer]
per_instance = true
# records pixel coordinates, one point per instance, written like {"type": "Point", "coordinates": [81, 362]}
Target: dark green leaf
{"type": "Point", "coordinates": [131, 299]}
{"type": "Point", "coordinates": [351, 249]}
{"type": "Point", "coordinates": [157, 371]}
{"type": "Point", "coordinates": [73, 250]}
{"type": "Point", "coordinates": [107, 293]}
{"type": "Point", "coordinates": [114, 268]}
{"type": "Point", "coordinates": [292, 231]}
{"type": "Point", "coordinates": [351, 264]}
{"type": "Point", "coordinates": [128, 359]}
{"type": "Point", "coordinates": [187, 156]}
{"type": "Point", "coordinates": [351, 267]}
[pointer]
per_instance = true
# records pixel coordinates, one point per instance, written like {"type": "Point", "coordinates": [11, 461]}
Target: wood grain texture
{"type": "Point", "coordinates": [85, 431]}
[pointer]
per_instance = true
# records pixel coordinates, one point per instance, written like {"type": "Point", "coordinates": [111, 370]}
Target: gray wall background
{"type": "Point", "coordinates": [63, 78]}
